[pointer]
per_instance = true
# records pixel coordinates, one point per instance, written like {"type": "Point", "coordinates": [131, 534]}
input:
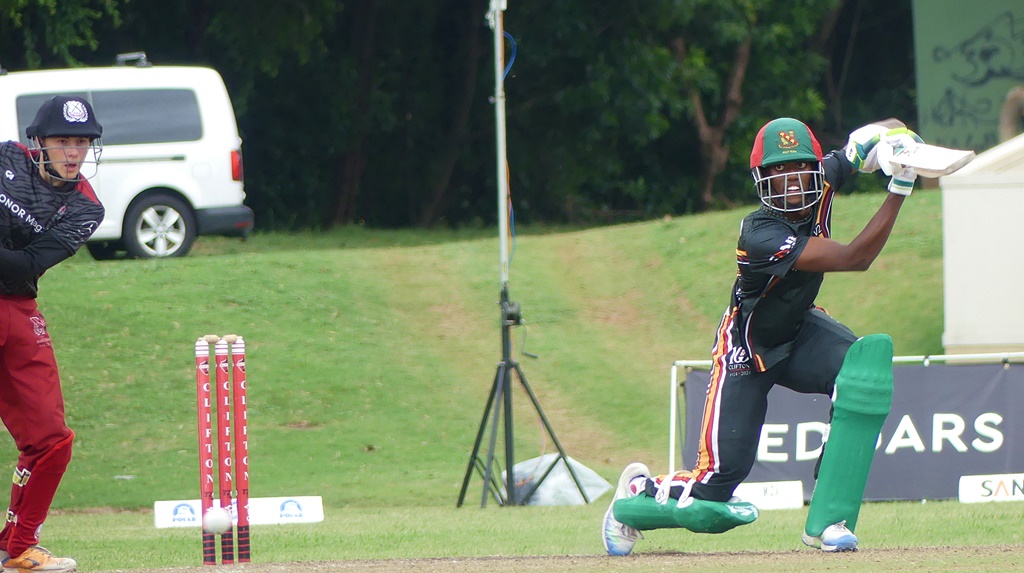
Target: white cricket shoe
{"type": "Point", "coordinates": [835, 538]}
{"type": "Point", "coordinates": [619, 538]}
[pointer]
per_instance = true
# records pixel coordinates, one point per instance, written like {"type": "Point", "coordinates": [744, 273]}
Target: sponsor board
{"type": "Point", "coordinates": [262, 511]}
{"type": "Point", "coordinates": [944, 418]}
{"type": "Point", "coordinates": [772, 494]}
{"type": "Point", "coordinates": [995, 487]}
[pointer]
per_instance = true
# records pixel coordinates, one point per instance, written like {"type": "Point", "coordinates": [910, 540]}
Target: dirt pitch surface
{"type": "Point", "coordinates": [932, 559]}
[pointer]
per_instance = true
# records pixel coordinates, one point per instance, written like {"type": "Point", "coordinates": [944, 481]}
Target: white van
{"type": "Point", "coordinates": [171, 166]}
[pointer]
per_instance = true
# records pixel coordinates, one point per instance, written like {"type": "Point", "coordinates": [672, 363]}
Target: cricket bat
{"type": "Point", "coordinates": [932, 160]}
{"type": "Point", "coordinates": [928, 160]}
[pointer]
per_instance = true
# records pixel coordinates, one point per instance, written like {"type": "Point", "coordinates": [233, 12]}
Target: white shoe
{"type": "Point", "coordinates": [619, 538]}
{"type": "Point", "coordinates": [835, 538]}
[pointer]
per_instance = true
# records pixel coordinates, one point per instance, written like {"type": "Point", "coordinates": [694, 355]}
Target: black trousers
{"type": "Point", "coordinates": [737, 402]}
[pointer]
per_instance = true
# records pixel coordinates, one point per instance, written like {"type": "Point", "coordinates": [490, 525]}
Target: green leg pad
{"type": "Point", "coordinates": [862, 400]}
{"type": "Point", "coordinates": [643, 512]}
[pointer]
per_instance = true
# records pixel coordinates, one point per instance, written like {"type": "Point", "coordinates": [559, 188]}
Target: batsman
{"type": "Point", "coordinates": [773, 333]}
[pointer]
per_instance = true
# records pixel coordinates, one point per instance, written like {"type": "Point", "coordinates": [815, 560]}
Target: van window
{"type": "Point", "coordinates": [133, 116]}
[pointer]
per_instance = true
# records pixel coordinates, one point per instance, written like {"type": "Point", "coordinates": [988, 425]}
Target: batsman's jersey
{"type": "Point", "coordinates": [769, 297]}
{"type": "Point", "coordinates": [45, 222]}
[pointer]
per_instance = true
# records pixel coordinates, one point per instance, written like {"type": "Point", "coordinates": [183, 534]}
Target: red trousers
{"type": "Point", "coordinates": [32, 408]}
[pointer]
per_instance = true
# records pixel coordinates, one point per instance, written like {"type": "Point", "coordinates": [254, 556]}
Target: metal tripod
{"type": "Point", "coordinates": [499, 408]}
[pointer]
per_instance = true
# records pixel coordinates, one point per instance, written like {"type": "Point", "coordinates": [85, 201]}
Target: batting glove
{"type": "Point", "coordinates": [902, 182]}
{"type": "Point", "coordinates": [862, 147]}
{"type": "Point", "coordinates": [891, 142]}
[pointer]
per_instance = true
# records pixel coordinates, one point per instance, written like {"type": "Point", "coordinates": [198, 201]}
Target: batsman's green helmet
{"type": "Point", "coordinates": [783, 140]}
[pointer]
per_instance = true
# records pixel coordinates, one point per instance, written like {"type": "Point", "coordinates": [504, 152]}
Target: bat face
{"type": "Point", "coordinates": [932, 160]}
{"type": "Point", "coordinates": [928, 160]}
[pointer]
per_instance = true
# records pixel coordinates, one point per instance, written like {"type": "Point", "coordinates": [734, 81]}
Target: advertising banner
{"type": "Point", "coordinates": [262, 511]}
{"type": "Point", "coordinates": [947, 422]}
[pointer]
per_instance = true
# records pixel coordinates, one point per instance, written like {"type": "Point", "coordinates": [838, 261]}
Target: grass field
{"type": "Point", "coordinates": [370, 356]}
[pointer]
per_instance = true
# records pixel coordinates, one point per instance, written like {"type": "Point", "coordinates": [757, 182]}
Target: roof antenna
{"type": "Point", "coordinates": [138, 57]}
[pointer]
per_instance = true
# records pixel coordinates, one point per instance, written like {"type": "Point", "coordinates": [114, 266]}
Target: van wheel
{"type": "Point", "coordinates": [159, 226]}
{"type": "Point", "coordinates": [104, 250]}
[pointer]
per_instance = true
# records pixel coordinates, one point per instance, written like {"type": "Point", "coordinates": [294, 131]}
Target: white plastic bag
{"type": "Point", "coordinates": [558, 488]}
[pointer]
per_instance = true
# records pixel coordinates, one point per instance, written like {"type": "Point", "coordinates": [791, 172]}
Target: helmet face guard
{"type": "Point", "coordinates": [65, 116]}
{"type": "Point", "coordinates": [89, 164]}
{"type": "Point", "coordinates": [790, 191]}
{"type": "Point", "coordinates": [787, 140]}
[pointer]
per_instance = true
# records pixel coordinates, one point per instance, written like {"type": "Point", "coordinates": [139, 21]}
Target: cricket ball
{"type": "Point", "coordinates": [216, 520]}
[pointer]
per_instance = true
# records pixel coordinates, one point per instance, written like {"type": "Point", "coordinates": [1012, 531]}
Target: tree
{"type": "Point", "coordinates": [448, 152]}
{"type": "Point", "coordinates": [592, 98]}
{"type": "Point", "coordinates": [870, 74]}
{"type": "Point", "coordinates": [713, 148]}
{"type": "Point", "coordinates": [363, 111]}
{"type": "Point", "coordinates": [46, 33]}
{"type": "Point", "coordinates": [353, 156]}
{"type": "Point", "coordinates": [730, 49]}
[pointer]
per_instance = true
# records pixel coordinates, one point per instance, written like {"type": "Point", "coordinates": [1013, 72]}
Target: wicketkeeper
{"type": "Point", "coordinates": [47, 211]}
{"type": "Point", "coordinates": [771, 334]}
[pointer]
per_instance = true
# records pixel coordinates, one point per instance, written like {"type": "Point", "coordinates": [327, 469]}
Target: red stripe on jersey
{"type": "Point", "coordinates": [707, 455]}
{"type": "Point", "coordinates": [824, 217]}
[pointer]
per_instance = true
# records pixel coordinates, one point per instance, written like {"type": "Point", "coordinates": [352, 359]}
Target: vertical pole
{"type": "Point", "coordinates": [496, 20]}
{"type": "Point", "coordinates": [241, 419]}
{"type": "Point", "coordinates": [227, 544]}
{"type": "Point", "coordinates": [500, 381]}
{"type": "Point", "coordinates": [205, 423]}
{"type": "Point", "coordinates": [508, 365]}
{"type": "Point", "coordinates": [673, 403]}
{"type": "Point", "coordinates": [496, 23]}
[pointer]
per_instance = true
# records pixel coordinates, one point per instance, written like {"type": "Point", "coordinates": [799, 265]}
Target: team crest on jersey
{"type": "Point", "coordinates": [9, 175]}
{"type": "Point", "coordinates": [738, 361]}
{"type": "Point", "coordinates": [788, 140]}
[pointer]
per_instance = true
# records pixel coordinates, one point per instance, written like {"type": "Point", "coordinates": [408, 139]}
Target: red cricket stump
{"type": "Point", "coordinates": [241, 428]}
{"type": "Point", "coordinates": [205, 423]}
{"type": "Point", "coordinates": [227, 540]}
{"type": "Point", "coordinates": [224, 401]}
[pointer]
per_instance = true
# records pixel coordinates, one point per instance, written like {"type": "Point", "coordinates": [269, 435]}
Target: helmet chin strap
{"type": "Point", "coordinates": [49, 172]}
{"type": "Point", "coordinates": [52, 173]}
